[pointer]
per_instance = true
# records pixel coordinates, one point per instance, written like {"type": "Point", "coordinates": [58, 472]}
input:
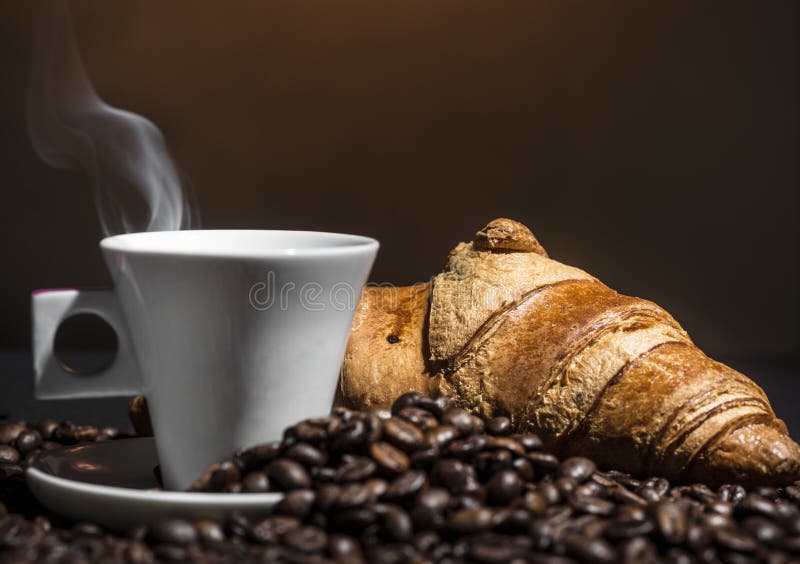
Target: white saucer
{"type": "Point", "coordinates": [110, 483]}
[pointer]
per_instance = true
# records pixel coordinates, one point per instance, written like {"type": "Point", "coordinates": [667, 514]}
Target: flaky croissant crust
{"type": "Point", "coordinates": [505, 330]}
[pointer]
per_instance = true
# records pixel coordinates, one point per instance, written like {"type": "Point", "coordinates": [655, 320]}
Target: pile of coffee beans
{"type": "Point", "coordinates": [426, 482]}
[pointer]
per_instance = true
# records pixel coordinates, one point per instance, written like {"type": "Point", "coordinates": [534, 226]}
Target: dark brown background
{"type": "Point", "coordinates": [652, 144]}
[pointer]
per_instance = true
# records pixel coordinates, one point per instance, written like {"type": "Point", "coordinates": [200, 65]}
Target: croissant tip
{"type": "Point", "coordinates": [755, 455]}
{"type": "Point", "coordinates": [507, 235]}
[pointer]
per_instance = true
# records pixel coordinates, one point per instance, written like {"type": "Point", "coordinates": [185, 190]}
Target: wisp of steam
{"type": "Point", "coordinates": [124, 155]}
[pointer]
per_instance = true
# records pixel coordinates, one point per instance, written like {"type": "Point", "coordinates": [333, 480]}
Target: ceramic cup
{"type": "Point", "coordinates": [230, 335]}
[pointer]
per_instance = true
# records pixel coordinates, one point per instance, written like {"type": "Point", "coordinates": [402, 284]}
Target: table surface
{"type": "Point", "coordinates": [778, 378]}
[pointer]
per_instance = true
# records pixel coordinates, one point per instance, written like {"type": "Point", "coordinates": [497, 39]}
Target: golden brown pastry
{"type": "Point", "coordinates": [504, 330]}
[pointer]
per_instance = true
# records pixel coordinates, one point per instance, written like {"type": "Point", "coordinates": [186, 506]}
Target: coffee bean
{"type": "Point", "coordinates": [466, 448]}
{"type": "Point", "coordinates": [543, 461]}
{"type": "Point", "coordinates": [8, 454]}
{"type": "Point", "coordinates": [671, 521]}
{"type": "Point", "coordinates": [499, 426]}
{"type": "Point", "coordinates": [549, 491]}
{"type": "Point", "coordinates": [296, 503]}
{"type": "Point", "coordinates": [46, 427]}
{"type": "Point", "coordinates": [10, 431]}
{"type": "Point", "coordinates": [354, 469]}
{"type": "Point", "coordinates": [27, 441]}
{"type": "Point", "coordinates": [306, 454]}
{"type": "Point", "coordinates": [504, 487]}
{"type": "Point", "coordinates": [271, 529]}
{"type": "Point", "coordinates": [223, 474]}
{"type": "Point", "coordinates": [589, 549]}
{"type": "Point", "coordinates": [344, 548]}
{"type": "Point", "coordinates": [171, 531]}
{"type": "Point", "coordinates": [458, 418]}
{"type": "Point", "coordinates": [405, 485]}
{"type": "Point", "coordinates": [470, 521]}
{"type": "Point", "coordinates": [524, 468]}
{"type": "Point", "coordinates": [288, 474]}
{"type": "Point", "coordinates": [352, 495]}
{"type": "Point", "coordinates": [731, 493]}
{"type": "Point", "coordinates": [255, 482]}
{"type": "Point", "coordinates": [408, 399]}
{"type": "Point", "coordinates": [592, 505]}
{"type": "Point", "coordinates": [754, 504]}
{"type": "Point", "coordinates": [763, 529]}
{"type": "Point", "coordinates": [506, 443]}
{"type": "Point", "coordinates": [306, 539]}
{"type": "Point", "coordinates": [256, 457]}
{"type": "Point", "coordinates": [390, 460]}
{"type": "Point", "coordinates": [454, 475]}
{"type": "Point", "coordinates": [424, 458]}
{"type": "Point", "coordinates": [349, 437]}
{"type": "Point", "coordinates": [578, 468]}
{"type": "Point", "coordinates": [307, 433]}
{"type": "Point", "coordinates": [425, 420]}
{"type": "Point", "coordinates": [402, 434]}
{"type": "Point", "coordinates": [209, 532]}
{"type": "Point", "coordinates": [354, 520]}
{"type": "Point", "coordinates": [397, 524]}
{"type": "Point", "coordinates": [439, 437]}
{"type": "Point", "coordinates": [734, 540]}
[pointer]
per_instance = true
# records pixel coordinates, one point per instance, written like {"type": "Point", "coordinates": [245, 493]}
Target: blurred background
{"type": "Point", "coordinates": [653, 144]}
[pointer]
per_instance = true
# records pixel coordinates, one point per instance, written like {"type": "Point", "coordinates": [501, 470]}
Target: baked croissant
{"type": "Point", "coordinates": [505, 330]}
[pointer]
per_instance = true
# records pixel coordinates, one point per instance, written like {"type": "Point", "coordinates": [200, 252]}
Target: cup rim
{"type": "Point", "coordinates": [174, 243]}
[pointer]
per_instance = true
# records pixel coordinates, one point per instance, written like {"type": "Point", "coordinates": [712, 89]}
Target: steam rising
{"type": "Point", "coordinates": [124, 155]}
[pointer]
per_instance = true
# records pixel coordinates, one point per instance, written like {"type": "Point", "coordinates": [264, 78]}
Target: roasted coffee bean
{"type": "Point", "coordinates": [354, 520]}
{"type": "Point", "coordinates": [454, 475]}
{"type": "Point", "coordinates": [487, 463]}
{"type": "Point", "coordinates": [27, 441]}
{"type": "Point", "coordinates": [349, 437]}
{"type": "Point", "coordinates": [307, 433]}
{"type": "Point", "coordinates": [424, 458]}
{"type": "Point", "coordinates": [590, 549]}
{"type": "Point", "coordinates": [524, 468]}
{"type": "Point", "coordinates": [209, 532]}
{"type": "Point", "coordinates": [296, 503]}
{"type": "Point", "coordinates": [256, 457]}
{"type": "Point", "coordinates": [402, 434]}
{"type": "Point", "coordinates": [499, 426]}
{"type": "Point", "coordinates": [354, 469]}
{"type": "Point", "coordinates": [352, 495]}
{"type": "Point", "coordinates": [754, 504]}
{"type": "Point", "coordinates": [671, 520]}
{"type": "Point", "coordinates": [550, 492]}
{"type": "Point", "coordinates": [589, 489]}
{"type": "Point", "coordinates": [306, 454]}
{"type": "Point", "coordinates": [288, 474]}
{"type": "Point", "coordinates": [466, 448]}
{"type": "Point", "coordinates": [405, 485]}
{"type": "Point", "coordinates": [649, 494]}
{"type": "Point", "coordinates": [763, 529]}
{"type": "Point", "coordinates": [8, 454]}
{"type": "Point", "coordinates": [408, 399]}
{"type": "Point", "coordinates": [425, 420]}
{"type": "Point", "coordinates": [271, 529]}
{"type": "Point", "coordinates": [439, 437]}
{"type": "Point", "coordinates": [507, 443]}
{"type": "Point", "coordinates": [591, 505]}
{"type": "Point", "coordinates": [46, 427]}
{"type": "Point", "coordinates": [345, 548]}
{"type": "Point", "coordinates": [171, 531]}
{"type": "Point", "coordinates": [543, 461]}
{"type": "Point", "coordinates": [376, 487]}
{"type": "Point", "coordinates": [305, 539]}
{"type": "Point", "coordinates": [255, 482]}
{"type": "Point", "coordinates": [566, 485]}
{"type": "Point", "coordinates": [578, 468]}
{"type": "Point", "coordinates": [10, 431]}
{"type": "Point", "coordinates": [223, 475]}
{"type": "Point", "coordinates": [470, 521]}
{"type": "Point", "coordinates": [390, 460]}
{"type": "Point", "coordinates": [731, 493]}
{"type": "Point", "coordinates": [504, 487]}
{"type": "Point", "coordinates": [734, 540]}
{"type": "Point", "coordinates": [458, 418]}
{"type": "Point", "coordinates": [397, 524]}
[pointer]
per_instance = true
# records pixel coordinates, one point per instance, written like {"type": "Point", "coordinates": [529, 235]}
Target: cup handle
{"type": "Point", "coordinates": [49, 309]}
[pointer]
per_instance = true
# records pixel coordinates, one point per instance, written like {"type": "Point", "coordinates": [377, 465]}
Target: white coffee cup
{"type": "Point", "coordinates": [230, 335]}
